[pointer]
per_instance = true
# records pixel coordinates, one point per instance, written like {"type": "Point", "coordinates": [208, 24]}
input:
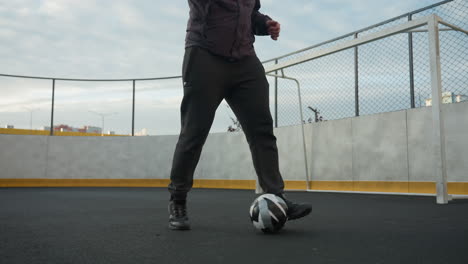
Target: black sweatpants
{"type": "Point", "coordinates": [208, 79]}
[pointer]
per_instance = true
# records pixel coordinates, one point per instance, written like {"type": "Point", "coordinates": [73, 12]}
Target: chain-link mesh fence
{"type": "Point", "coordinates": [386, 75]}
{"type": "Point", "coordinates": [80, 107]}
{"type": "Point", "coordinates": [24, 107]}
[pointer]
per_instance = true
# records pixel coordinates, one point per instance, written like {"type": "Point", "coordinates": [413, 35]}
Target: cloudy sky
{"type": "Point", "coordinates": [138, 39]}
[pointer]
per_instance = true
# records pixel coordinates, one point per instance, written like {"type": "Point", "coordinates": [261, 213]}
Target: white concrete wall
{"type": "Point", "coordinates": [380, 147]}
{"type": "Point", "coordinates": [457, 142]}
{"type": "Point", "coordinates": [226, 156]}
{"type": "Point", "coordinates": [332, 151]}
{"type": "Point", "coordinates": [23, 156]}
{"type": "Point", "coordinates": [392, 146]}
{"type": "Point", "coordinates": [420, 140]}
{"type": "Point", "coordinates": [420, 144]}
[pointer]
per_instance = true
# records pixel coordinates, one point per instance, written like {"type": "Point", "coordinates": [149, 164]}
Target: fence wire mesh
{"type": "Point", "coordinates": [327, 86]}
{"type": "Point", "coordinates": [390, 74]}
{"type": "Point", "coordinates": [386, 75]}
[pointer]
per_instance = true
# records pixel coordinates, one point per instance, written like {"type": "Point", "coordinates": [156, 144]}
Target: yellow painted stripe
{"type": "Point", "coordinates": [295, 185]}
{"type": "Point", "coordinates": [84, 182]}
{"type": "Point", "coordinates": [422, 187]}
{"type": "Point", "coordinates": [457, 187]}
{"type": "Point", "coordinates": [385, 186]}
{"type": "Point", "coordinates": [379, 186]}
{"type": "Point", "coordinates": [15, 131]}
{"type": "Point", "coordinates": [79, 134]}
{"type": "Point", "coordinates": [217, 184]}
{"type": "Point", "coordinates": [331, 185]}
{"type": "Point", "coordinates": [225, 184]}
{"type": "Point", "coordinates": [361, 186]}
{"type": "Point", "coordinates": [375, 186]}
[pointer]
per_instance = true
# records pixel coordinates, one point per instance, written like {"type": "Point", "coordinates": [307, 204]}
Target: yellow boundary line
{"type": "Point", "coordinates": [361, 186]}
{"type": "Point", "coordinates": [15, 131]}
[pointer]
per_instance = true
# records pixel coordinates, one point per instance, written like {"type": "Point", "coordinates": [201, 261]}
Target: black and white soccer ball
{"type": "Point", "coordinates": [269, 213]}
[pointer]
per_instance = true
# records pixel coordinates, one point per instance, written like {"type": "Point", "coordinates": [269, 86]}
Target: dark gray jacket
{"type": "Point", "coordinates": [225, 27]}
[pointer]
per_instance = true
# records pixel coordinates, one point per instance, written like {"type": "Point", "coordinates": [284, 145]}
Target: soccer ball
{"type": "Point", "coordinates": [268, 213]}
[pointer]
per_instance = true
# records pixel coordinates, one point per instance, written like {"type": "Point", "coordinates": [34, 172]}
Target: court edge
{"type": "Point", "coordinates": [345, 186]}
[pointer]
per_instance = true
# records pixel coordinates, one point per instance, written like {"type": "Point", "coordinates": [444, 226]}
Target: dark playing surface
{"type": "Point", "coordinates": [129, 225]}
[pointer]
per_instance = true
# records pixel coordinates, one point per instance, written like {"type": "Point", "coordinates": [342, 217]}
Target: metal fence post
{"type": "Point", "coordinates": [356, 77]}
{"type": "Point", "coordinates": [411, 65]}
{"type": "Point", "coordinates": [133, 110]}
{"type": "Point", "coordinates": [276, 96]}
{"type": "Point", "coordinates": [438, 125]}
{"type": "Point", "coordinates": [52, 109]}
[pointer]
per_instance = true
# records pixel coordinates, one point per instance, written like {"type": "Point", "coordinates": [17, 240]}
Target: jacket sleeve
{"type": "Point", "coordinates": [259, 20]}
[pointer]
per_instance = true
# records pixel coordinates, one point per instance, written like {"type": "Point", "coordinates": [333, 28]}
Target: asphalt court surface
{"type": "Point", "coordinates": [129, 225]}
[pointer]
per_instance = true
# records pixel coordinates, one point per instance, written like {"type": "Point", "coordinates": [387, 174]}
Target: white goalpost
{"type": "Point", "coordinates": [438, 126]}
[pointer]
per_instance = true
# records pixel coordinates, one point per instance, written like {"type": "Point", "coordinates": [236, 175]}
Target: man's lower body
{"type": "Point", "coordinates": [208, 79]}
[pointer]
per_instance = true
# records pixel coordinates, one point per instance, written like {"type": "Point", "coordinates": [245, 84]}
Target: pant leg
{"type": "Point", "coordinates": [249, 99]}
{"type": "Point", "coordinates": [203, 92]}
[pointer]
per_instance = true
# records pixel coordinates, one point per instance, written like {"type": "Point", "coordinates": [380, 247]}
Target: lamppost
{"type": "Point", "coordinates": [102, 115]}
{"type": "Point", "coordinates": [31, 110]}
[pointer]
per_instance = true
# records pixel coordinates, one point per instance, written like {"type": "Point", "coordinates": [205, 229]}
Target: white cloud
{"type": "Point", "coordinates": [266, 3]}
{"type": "Point", "coordinates": [306, 9]}
{"type": "Point", "coordinates": [53, 8]}
{"type": "Point", "coordinates": [175, 11]}
{"type": "Point", "coordinates": [24, 11]}
{"type": "Point", "coordinates": [132, 39]}
{"type": "Point", "coordinates": [129, 16]}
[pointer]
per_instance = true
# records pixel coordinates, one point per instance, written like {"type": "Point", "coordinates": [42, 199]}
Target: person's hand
{"type": "Point", "coordinates": [274, 29]}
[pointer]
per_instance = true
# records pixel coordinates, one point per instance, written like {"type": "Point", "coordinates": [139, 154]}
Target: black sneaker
{"type": "Point", "coordinates": [297, 210]}
{"type": "Point", "coordinates": [178, 219]}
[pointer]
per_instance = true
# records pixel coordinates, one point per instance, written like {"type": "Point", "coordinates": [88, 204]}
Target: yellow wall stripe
{"type": "Point", "coordinates": [295, 185]}
{"type": "Point", "coordinates": [225, 184]}
{"type": "Point", "coordinates": [15, 131]}
{"type": "Point", "coordinates": [332, 186]}
{"type": "Point", "coordinates": [378, 186]}
{"type": "Point", "coordinates": [84, 182]}
{"type": "Point", "coordinates": [424, 187]}
{"type": "Point", "coordinates": [457, 187]}
{"type": "Point", "coordinates": [360, 186]}
{"type": "Point", "coordinates": [382, 186]}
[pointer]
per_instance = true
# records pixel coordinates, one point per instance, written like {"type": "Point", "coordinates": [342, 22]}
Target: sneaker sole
{"type": "Point", "coordinates": [182, 228]}
{"type": "Point", "coordinates": [302, 214]}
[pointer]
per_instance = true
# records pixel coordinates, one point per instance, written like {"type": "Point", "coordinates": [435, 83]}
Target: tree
{"type": "Point", "coordinates": [236, 125]}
